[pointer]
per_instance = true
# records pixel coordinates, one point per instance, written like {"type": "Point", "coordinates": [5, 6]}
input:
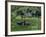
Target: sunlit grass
{"type": "Point", "coordinates": [36, 24]}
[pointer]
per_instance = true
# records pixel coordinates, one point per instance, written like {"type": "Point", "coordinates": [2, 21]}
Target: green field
{"type": "Point", "coordinates": [36, 24]}
{"type": "Point", "coordinates": [31, 14]}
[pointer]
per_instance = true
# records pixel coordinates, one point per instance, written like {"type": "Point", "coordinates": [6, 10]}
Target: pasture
{"type": "Point", "coordinates": [35, 24]}
{"type": "Point", "coordinates": [30, 14]}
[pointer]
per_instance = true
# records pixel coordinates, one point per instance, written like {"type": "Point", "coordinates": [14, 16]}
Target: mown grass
{"type": "Point", "coordinates": [35, 24]}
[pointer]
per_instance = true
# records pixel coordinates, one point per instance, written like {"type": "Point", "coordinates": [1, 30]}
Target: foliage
{"type": "Point", "coordinates": [21, 10]}
{"type": "Point", "coordinates": [18, 14]}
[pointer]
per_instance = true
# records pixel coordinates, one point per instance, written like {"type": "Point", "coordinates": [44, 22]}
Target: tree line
{"type": "Point", "coordinates": [29, 10]}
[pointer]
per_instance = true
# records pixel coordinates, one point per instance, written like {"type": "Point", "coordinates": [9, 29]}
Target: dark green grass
{"type": "Point", "coordinates": [36, 24]}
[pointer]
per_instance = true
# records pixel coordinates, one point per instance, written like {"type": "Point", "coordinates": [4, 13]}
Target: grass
{"type": "Point", "coordinates": [36, 24]}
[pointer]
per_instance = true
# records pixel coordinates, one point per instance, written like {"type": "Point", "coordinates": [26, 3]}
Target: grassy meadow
{"type": "Point", "coordinates": [35, 20]}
